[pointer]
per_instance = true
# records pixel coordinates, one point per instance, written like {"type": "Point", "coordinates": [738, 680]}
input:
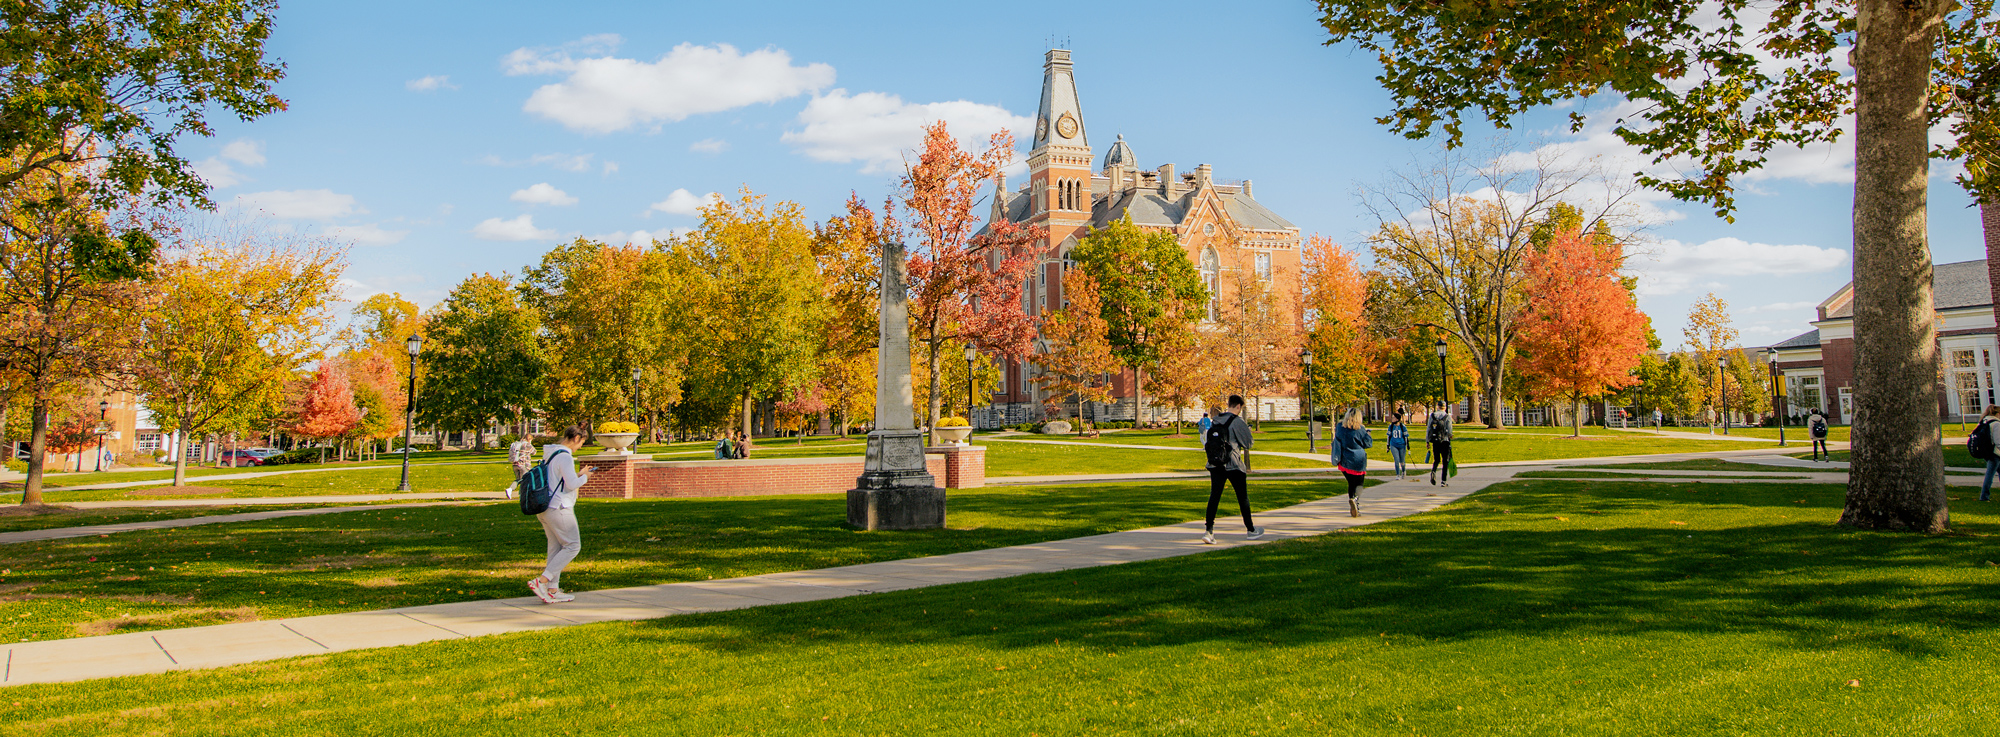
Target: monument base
{"type": "Point", "coordinates": [895, 490]}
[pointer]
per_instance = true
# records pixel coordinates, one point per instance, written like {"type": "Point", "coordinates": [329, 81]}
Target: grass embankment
{"type": "Point", "coordinates": [1615, 475]}
{"type": "Point", "coordinates": [17, 518]}
{"type": "Point", "coordinates": [1696, 464]}
{"type": "Point", "coordinates": [1471, 444]}
{"type": "Point", "coordinates": [409, 556]}
{"type": "Point", "coordinates": [1536, 607]}
{"type": "Point", "coordinates": [483, 477]}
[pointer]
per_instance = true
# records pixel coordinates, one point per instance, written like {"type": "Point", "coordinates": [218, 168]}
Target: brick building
{"type": "Point", "coordinates": [1819, 364]}
{"type": "Point", "coordinates": [1217, 222]}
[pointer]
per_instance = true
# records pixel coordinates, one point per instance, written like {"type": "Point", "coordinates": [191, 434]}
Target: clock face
{"type": "Point", "coordinates": [1041, 127]}
{"type": "Point", "coordinates": [1066, 126]}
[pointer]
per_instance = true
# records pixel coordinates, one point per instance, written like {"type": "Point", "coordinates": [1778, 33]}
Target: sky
{"type": "Point", "coordinates": [443, 140]}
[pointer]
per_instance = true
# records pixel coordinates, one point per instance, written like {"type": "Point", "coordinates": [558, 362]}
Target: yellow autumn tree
{"type": "Point", "coordinates": [1079, 354]}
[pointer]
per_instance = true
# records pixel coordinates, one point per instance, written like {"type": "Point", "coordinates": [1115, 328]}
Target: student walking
{"type": "Point", "coordinates": [1225, 442]}
{"type": "Point", "coordinates": [1205, 423]}
{"type": "Point", "coordinates": [1987, 423]}
{"type": "Point", "coordinates": [1351, 441]}
{"type": "Point", "coordinates": [522, 455]}
{"type": "Point", "coordinates": [559, 520]}
{"type": "Point", "coordinates": [1816, 427]}
{"type": "Point", "coordinates": [1399, 442]}
{"type": "Point", "coordinates": [1437, 432]}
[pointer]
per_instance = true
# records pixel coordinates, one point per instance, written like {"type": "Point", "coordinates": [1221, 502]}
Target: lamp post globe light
{"type": "Point", "coordinates": [102, 406]}
{"type": "Point", "coordinates": [1312, 418]}
{"type": "Point", "coordinates": [1778, 397]}
{"type": "Point", "coordinates": [972, 353]}
{"type": "Point", "coordinates": [1722, 392]}
{"type": "Point", "coordinates": [415, 345]}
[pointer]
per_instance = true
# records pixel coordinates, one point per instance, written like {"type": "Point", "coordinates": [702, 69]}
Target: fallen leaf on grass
{"type": "Point", "coordinates": [1675, 522]}
{"type": "Point", "coordinates": [1562, 519]}
{"type": "Point", "coordinates": [1855, 683]}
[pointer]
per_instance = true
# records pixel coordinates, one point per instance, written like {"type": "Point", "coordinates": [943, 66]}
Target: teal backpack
{"type": "Point", "coordinates": [536, 492]}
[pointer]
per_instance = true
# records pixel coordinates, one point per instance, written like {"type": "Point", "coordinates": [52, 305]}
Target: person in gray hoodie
{"type": "Point", "coordinates": [1226, 443]}
{"type": "Point", "coordinates": [1351, 441]}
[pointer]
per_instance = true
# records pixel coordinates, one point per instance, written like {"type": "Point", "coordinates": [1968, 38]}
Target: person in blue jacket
{"type": "Point", "coordinates": [1399, 442]}
{"type": "Point", "coordinates": [1351, 441]}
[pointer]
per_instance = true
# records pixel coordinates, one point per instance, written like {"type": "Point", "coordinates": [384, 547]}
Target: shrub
{"type": "Point", "coordinates": [508, 439]}
{"type": "Point", "coordinates": [618, 427]}
{"type": "Point", "coordinates": [953, 422]}
{"type": "Point", "coordinates": [17, 466]}
{"type": "Point", "coordinates": [296, 455]}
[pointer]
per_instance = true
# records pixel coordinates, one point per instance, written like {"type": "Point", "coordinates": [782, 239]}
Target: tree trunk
{"type": "Point", "coordinates": [38, 445]}
{"type": "Point", "coordinates": [1896, 480]}
{"type": "Point", "coordinates": [935, 399]}
{"type": "Point", "coordinates": [1138, 395]}
{"type": "Point", "coordinates": [1576, 417]}
{"type": "Point", "coordinates": [1496, 404]}
{"type": "Point", "coordinates": [746, 416]}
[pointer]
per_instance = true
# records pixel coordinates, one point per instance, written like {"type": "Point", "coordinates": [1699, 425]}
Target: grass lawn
{"type": "Point", "coordinates": [1536, 607]}
{"type": "Point", "coordinates": [409, 556]}
{"type": "Point", "coordinates": [435, 478]}
{"type": "Point", "coordinates": [1954, 456]}
{"type": "Point", "coordinates": [1028, 459]}
{"type": "Point", "coordinates": [1610, 475]}
{"type": "Point", "coordinates": [16, 518]}
{"type": "Point", "coordinates": [1698, 464]}
{"type": "Point", "coordinates": [1469, 445]}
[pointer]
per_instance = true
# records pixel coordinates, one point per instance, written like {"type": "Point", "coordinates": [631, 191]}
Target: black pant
{"type": "Point", "coordinates": [1819, 446]}
{"type": "Point", "coordinates": [1354, 481]}
{"type": "Point", "coordinates": [1440, 456]}
{"type": "Point", "coordinates": [1241, 481]}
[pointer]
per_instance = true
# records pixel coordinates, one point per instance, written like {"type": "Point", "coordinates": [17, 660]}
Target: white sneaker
{"type": "Point", "coordinates": [556, 596]}
{"type": "Point", "coordinates": [1208, 538]}
{"type": "Point", "coordinates": [542, 590]}
{"type": "Point", "coordinates": [1256, 533]}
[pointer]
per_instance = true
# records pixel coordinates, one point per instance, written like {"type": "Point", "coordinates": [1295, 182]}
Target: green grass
{"type": "Point", "coordinates": [1954, 456]}
{"type": "Point", "coordinates": [1534, 608]}
{"type": "Point", "coordinates": [1612, 475]}
{"type": "Point", "coordinates": [1469, 445]}
{"type": "Point", "coordinates": [17, 518]}
{"type": "Point", "coordinates": [1698, 464]}
{"type": "Point", "coordinates": [409, 556]}
{"type": "Point", "coordinates": [483, 477]}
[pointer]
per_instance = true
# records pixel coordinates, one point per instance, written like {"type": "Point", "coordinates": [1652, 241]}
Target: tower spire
{"type": "Point", "coordinates": [1060, 121]}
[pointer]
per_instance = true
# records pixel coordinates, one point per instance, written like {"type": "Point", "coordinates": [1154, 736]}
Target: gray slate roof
{"type": "Point", "coordinates": [1807, 339]}
{"type": "Point", "coordinates": [1954, 285]}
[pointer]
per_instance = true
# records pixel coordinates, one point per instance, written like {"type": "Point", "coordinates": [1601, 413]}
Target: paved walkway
{"type": "Point", "coordinates": [231, 644]}
{"type": "Point", "coordinates": [58, 533]}
{"type": "Point", "coordinates": [196, 480]}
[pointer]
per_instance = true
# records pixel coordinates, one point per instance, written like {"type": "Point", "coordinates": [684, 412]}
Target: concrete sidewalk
{"type": "Point", "coordinates": [231, 644]}
{"type": "Point", "coordinates": [59, 533]}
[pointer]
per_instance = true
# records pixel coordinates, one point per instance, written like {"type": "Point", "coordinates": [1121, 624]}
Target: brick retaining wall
{"type": "Point", "coordinates": [638, 476]}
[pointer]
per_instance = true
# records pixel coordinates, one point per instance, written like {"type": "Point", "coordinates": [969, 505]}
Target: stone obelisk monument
{"type": "Point", "coordinates": [895, 490]}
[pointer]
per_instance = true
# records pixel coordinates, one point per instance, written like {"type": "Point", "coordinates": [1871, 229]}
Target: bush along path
{"type": "Point", "coordinates": [244, 642]}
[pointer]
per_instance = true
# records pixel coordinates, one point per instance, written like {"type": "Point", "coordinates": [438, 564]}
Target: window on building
{"type": "Point", "coordinates": [1264, 266]}
{"type": "Point", "coordinates": [146, 442]}
{"type": "Point", "coordinates": [1805, 394]}
{"type": "Point", "coordinates": [1211, 268]}
{"type": "Point", "coordinates": [1962, 359]}
{"type": "Point", "coordinates": [1966, 385]}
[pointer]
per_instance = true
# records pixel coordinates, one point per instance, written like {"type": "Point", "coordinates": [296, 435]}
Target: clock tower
{"type": "Point", "coordinates": [1059, 176]}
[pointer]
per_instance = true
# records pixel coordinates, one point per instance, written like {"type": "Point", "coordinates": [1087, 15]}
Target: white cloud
{"type": "Point", "coordinates": [683, 202]}
{"type": "Point", "coordinates": [367, 234]}
{"type": "Point", "coordinates": [877, 128]}
{"type": "Point", "coordinates": [354, 291]}
{"type": "Point", "coordinates": [431, 83]}
{"type": "Point", "coordinates": [216, 170]}
{"type": "Point", "coordinates": [610, 168]}
{"type": "Point", "coordinates": [565, 162]}
{"type": "Point", "coordinates": [1678, 267]}
{"type": "Point", "coordinates": [518, 229]}
{"type": "Point", "coordinates": [603, 93]}
{"type": "Point", "coordinates": [709, 146]}
{"type": "Point", "coordinates": [313, 204]}
{"type": "Point", "coordinates": [543, 194]}
{"type": "Point", "coordinates": [638, 237]}
{"type": "Point", "coordinates": [1778, 307]}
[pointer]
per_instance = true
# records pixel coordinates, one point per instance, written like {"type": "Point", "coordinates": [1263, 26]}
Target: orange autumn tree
{"type": "Point", "coordinates": [1581, 331]}
{"type": "Point", "coordinates": [1335, 294]}
{"type": "Point", "coordinates": [1079, 354]}
{"type": "Point", "coordinates": [328, 409]}
{"type": "Point", "coordinates": [965, 284]}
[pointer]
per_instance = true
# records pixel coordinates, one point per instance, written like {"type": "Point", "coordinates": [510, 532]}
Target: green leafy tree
{"type": "Point", "coordinates": [1718, 85]}
{"type": "Point", "coordinates": [1146, 287]}
{"type": "Point", "coordinates": [484, 364]}
{"type": "Point", "coordinates": [605, 312]}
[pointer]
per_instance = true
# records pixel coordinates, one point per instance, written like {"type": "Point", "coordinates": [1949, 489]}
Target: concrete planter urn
{"type": "Point", "coordinates": [617, 442]}
{"type": "Point", "coordinates": [954, 435]}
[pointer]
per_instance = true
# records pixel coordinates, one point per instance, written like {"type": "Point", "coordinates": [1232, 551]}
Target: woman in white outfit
{"type": "Point", "coordinates": [559, 520]}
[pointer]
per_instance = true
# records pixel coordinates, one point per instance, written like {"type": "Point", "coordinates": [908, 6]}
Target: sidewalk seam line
{"type": "Point", "coordinates": [406, 615]}
{"type": "Point", "coordinates": [321, 645]}
{"type": "Point", "coordinates": [163, 650]}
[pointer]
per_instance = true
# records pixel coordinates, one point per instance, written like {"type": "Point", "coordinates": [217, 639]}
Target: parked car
{"type": "Point", "coordinates": [242, 457]}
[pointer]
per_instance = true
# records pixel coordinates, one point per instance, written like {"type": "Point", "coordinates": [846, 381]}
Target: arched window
{"type": "Point", "coordinates": [1211, 270]}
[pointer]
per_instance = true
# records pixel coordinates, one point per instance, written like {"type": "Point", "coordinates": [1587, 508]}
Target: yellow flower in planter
{"type": "Point", "coordinates": [953, 422]}
{"type": "Point", "coordinates": [613, 427]}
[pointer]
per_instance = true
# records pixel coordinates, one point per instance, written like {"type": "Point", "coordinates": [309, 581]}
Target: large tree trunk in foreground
{"type": "Point", "coordinates": [38, 448]}
{"type": "Point", "coordinates": [1897, 476]}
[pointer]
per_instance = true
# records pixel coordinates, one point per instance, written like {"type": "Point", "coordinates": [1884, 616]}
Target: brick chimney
{"type": "Point", "coordinates": [1989, 221]}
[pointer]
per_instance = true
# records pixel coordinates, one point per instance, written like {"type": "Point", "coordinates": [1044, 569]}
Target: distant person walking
{"type": "Point", "coordinates": [1201, 428]}
{"type": "Point", "coordinates": [1987, 424]}
{"type": "Point", "coordinates": [521, 454]}
{"type": "Point", "coordinates": [1226, 442]}
{"type": "Point", "coordinates": [1399, 442]}
{"type": "Point", "coordinates": [559, 520]}
{"type": "Point", "coordinates": [1351, 441]}
{"type": "Point", "coordinates": [1816, 427]}
{"type": "Point", "coordinates": [1437, 432]}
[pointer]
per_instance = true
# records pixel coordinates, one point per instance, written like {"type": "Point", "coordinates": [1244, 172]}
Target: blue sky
{"type": "Point", "coordinates": [448, 139]}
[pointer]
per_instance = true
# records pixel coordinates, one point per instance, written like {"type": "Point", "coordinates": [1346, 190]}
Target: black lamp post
{"type": "Point", "coordinates": [102, 406]}
{"type": "Point", "coordinates": [635, 398]}
{"type": "Point", "coordinates": [1778, 397]}
{"type": "Point", "coordinates": [970, 354]}
{"type": "Point", "coordinates": [1444, 382]}
{"type": "Point", "coordinates": [1312, 418]}
{"type": "Point", "coordinates": [415, 345]}
{"type": "Point", "coordinates": [1722, 392]}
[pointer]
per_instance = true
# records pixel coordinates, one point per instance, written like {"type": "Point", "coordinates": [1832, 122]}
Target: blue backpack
{"type": "Point", "coordinates": [536, 492]}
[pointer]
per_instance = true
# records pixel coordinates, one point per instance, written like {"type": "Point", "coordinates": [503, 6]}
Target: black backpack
{"type": "Point", "coordinates": [1980, 443]}
{"type": "Point", "coordinates": [536, 492]}
{"type": "Point", "coordinates": [1437, 430]}
{"type": "Point", "coordinates": [1216, 443]}
{"type": "Point", "coordinates": [1817, 426]}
